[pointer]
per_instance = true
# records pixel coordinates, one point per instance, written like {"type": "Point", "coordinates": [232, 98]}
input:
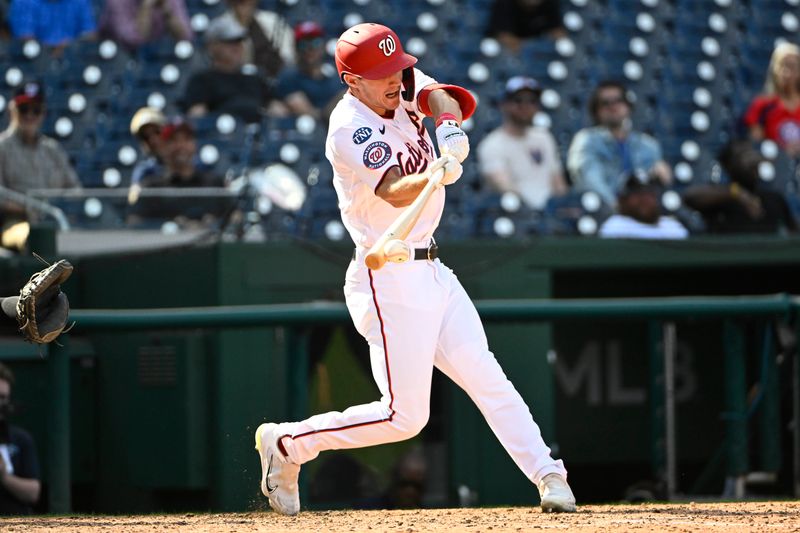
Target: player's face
{"type": "Point", "coordinates": [379, 95]}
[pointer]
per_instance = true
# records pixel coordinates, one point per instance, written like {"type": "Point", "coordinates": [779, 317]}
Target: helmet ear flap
{"type": "Point", "coordinates": [408, 84]}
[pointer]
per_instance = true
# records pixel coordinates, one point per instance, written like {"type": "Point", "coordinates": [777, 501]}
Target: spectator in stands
{"type": "Point", "coordinates": [181, 169]}
{"type": "Point", "coordinates": [132, 23]}
{"type": "Point", "coordinates": [512, 22]}
{"type": "Point", "coordinates": [5, 31]}
{"type": "Point", "coordinates": [744, 205]}
{"type": "Point", "coordinates": [307, 89]}
{"type": "Point", "coordinates": [518, 157]}
{"type": "Point", "coordinates": [639, 215]}
{"type": "Point", "coordinates": [29, 160]}
{"type": "Point", "coordinates": [269, 44]}
{"type": "Point", "coordinates": [775, 114]}
{"type": "Point", "coordinates": [600, 158]}
{"type": "Point", "coordinates": [146, 126]}
{"type": "Point", "coordinates": [54, 24]}
{"type": "Point", "coordinates": [20, 487]}
{"type": "Point", "coordinates": [228, 85]}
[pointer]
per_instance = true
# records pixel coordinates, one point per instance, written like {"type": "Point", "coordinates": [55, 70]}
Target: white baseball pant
{"type": "Point", "coordinates": [416, 315]}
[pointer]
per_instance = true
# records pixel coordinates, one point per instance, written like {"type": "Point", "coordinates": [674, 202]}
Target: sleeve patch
{"type": "Point", "coordinates": [377, 154]}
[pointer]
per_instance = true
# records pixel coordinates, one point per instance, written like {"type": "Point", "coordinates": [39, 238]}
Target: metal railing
{"type": "Point", "coordinates": [664, 310]}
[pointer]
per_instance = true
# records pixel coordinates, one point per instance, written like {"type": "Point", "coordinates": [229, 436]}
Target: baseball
{"type": "Point", "coordinates": [397, 251]}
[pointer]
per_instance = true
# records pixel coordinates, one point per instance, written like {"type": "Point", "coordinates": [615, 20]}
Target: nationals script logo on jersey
{"type": "Point", "coordinates": [377, 154]}
{"type": "Point", "coordinates": [417, 158]}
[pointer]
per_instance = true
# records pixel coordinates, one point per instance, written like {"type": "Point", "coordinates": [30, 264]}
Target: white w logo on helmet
{"type": "Point", "coordinates": [387, 46]}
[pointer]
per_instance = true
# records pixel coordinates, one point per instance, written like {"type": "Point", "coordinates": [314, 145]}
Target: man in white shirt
{"type": "Point", "coordinates": [518, 157]}
{"type": "Point", "coordinates": [415, 315]}
{"type": "Point", "coordinates": [639, 214]}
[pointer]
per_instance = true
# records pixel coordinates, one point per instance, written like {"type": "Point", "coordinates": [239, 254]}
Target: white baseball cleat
{"type": "Point", "coordinates": [556, 495]}
{"type": "Point", "coordinates": [278, 475]}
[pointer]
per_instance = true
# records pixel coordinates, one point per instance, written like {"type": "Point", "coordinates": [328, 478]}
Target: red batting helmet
{"type": "Point", "coordinates": [371, 51]}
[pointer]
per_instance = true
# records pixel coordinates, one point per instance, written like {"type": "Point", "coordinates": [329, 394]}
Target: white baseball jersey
{"type": "Point", "coordinates": [414, 315]}
{"type": "Point", "coordinates": [362, 146]}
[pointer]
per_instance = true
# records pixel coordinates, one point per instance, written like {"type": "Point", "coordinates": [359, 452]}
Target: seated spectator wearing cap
{"type": "Point", "coordinates": [601, 158]}
{"type": "Point", "coordinates": [639, 215]}
{"type": "Point", "coordinates": [132, 23]}
{"type": "Point", "coordinates": [518, 157]}
{"type": "Point", "coordinates": [146, 126]}
{"type": "Point", "coordinates": [269, 44]}
{"type": "Point", "coordinates": [29, 160]}
{"type": "Point", "coordinates": [306, 89]}
{"type": "Point", "coordinates": [181, 169]}
{"type": "Point", "coordinates": [512, 22]}
{"type": "Point", "coordinates": [54, 24]}
{"type": "Point", "coordinates": [228, 85]}
{"type": "Point", "coordinates": [775, 115]}
{"type": "Point", "coordinates": [745, 205]}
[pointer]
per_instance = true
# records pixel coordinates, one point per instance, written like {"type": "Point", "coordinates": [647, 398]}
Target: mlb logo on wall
{"type": "Point", "coordinates": [361, 135]}
{"type": "Point", "coordinates": [377, 154]}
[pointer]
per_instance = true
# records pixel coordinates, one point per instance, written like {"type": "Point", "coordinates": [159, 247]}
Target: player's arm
{"type": "Point", "coordinates": [449, 105]}
{"type": "Point", "coordinates": [399, 190]}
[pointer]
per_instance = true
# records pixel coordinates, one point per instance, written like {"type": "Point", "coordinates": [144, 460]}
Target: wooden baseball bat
{"type": "Point", "coordinates": [400, 228]}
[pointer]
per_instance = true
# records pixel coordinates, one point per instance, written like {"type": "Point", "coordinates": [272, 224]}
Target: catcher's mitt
{"type": "Point", "coordinates": [42, 309]}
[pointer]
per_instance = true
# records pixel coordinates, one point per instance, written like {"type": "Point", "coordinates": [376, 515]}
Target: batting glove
{"type": "Point", "coordinates": [452, 169]}
{"type": "Point", "coordinates": [452, 139]}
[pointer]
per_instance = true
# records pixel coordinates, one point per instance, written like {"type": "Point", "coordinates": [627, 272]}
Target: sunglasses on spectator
{"type": "Point", "coordinates": [608, 102]}
{"type": "Point", "coordinates": [307, 44]}
{"type": "Point", "coordinates": [524, 99]}
{"type": "Point", "coordinates": [30, 109]}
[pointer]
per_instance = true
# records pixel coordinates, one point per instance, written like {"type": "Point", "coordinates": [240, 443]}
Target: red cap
{"type": "Point", "coordinates": [371, 51]}
{"type": "Point", "coordinates": [307, 30]}
{"type": "Point", "coordinates": [175, 124]}
{"type": "Point", "coordinates": [31, 91]}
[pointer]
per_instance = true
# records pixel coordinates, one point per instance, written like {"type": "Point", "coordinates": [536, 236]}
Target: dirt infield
{"type": "Point", "coordinates": [738, 516]}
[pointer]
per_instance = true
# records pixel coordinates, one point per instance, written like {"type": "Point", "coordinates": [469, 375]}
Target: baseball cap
{"type": "Point", "coordinates": [224, 28]}
{"type": "Point", "coordinates": [307, 30]}
{"type": "Point", "coordinates": [639, 182]}
{"type": "Point", "coordinates": [175, 124]}
{"type": "Point", "coordinates": [371, 51]}
{"type": "Point", "coordinates": [31, 91]}
{"type": "Point", "coordinates": [145, 116]}
{"type": "Point", "coordinates": [521, 83]}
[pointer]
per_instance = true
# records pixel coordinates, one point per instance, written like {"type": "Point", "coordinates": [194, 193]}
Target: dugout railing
{"type": "Point", "coordinates": [660, 313]}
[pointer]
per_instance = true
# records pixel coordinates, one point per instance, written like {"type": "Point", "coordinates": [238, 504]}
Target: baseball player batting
{"type": "Point", "coordinates": [414, 314]}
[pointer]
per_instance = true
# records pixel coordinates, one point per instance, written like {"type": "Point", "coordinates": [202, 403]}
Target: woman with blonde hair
{"type": "Point", "coordinates": [775, 114]}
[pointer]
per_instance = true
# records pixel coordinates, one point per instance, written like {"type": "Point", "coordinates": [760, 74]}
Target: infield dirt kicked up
{"type": "Point", "coordinates": [777, 516]}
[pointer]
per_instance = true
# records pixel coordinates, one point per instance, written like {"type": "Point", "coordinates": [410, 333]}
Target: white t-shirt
{"type": "Point", "coordinates": [362, 146]}
{"type": "Point", "coordinates": [625, 227]}
{"type": "Point", "coordinates": [529, 161]}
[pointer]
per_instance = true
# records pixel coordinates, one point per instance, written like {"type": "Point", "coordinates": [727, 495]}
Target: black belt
{"type": "Point", "coordinates": [430, 253]}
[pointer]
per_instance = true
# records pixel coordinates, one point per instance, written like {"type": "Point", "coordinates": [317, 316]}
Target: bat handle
{"type": "Point", "coordinates": [375, 260]}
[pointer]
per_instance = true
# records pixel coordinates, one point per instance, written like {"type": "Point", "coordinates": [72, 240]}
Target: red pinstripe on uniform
{"type": "Point", "coordinates": [388, 376]}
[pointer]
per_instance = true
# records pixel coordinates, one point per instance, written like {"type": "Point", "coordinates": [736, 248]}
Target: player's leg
{"type": "Point", "coordinates": [400, 319]}
{"type": "Point", "coordinates": [399, 315]}
{"type": "Point", "coordinates": [464, 356]}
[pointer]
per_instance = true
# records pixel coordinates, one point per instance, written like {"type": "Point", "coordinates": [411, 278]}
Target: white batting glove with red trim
{"type": "Point", "coordinates": [452, 169]}
{"type": "Point", "coordinates": [452, 139]}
